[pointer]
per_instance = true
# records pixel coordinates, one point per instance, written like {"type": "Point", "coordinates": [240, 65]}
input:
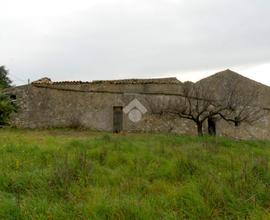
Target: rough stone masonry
{"type": "Point", "coordinates": [100, 105]}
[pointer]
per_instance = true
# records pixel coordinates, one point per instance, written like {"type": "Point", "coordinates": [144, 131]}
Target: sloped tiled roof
{"type": "Point", "coordinates": [219, 81]}
{"type": "Point", "coordinates": [171, 80]}
{"type": "Point", "coordinates": [222, 78]}
{"type": "Point", "coordinates": [228, 75]}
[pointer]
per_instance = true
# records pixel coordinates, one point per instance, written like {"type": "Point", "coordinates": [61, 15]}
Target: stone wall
{"type": "Point", "coordinates": [91, 106]}
{"type": "Point", "coordinates": [51, 107]}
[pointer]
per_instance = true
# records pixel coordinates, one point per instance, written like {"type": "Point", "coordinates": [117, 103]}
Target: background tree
{"type": "Point", "coordinates": [4, 79]}
{"type": "Point", "coordinates": [7, 106]}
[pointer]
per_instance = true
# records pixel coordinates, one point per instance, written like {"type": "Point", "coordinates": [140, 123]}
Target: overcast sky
{"type": "Point", "coordinates": [111, 39]}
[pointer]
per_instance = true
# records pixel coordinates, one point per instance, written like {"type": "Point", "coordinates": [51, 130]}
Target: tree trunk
{"type": "Point", "coordinates": [200, 129]}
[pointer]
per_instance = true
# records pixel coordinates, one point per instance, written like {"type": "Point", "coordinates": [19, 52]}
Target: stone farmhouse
{"type": "Point", "coordinates": [123, 105]}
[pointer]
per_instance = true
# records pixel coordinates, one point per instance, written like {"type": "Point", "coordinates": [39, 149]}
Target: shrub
{"type": "Point", "coordinates": [7, 107]}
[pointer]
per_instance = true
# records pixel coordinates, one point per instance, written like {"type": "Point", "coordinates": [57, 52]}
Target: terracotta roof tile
{"type": "Point", "coordinates": [171, 80]}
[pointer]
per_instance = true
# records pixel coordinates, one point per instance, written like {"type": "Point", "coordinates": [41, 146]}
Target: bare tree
{"type": "Point", "coordinates": [242, 104]}
{"type": "Point", "coordinates": [196, 103]}
{"type": "Point", "coordinates": [200, 103]}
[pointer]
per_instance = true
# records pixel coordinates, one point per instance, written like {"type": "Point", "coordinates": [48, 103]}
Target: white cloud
{"type": "Point", "coordinates": [108, 39]}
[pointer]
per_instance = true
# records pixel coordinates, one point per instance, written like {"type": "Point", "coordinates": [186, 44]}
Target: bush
{"type": "Point", "coordinates": [7, 107]}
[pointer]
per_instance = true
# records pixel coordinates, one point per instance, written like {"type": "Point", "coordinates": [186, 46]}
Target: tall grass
{"type": "Point", "coordinates": [66, 174]}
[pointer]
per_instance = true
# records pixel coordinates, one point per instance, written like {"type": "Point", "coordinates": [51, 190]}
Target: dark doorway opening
{"type": "Point", "coordinates": [117, 119]}
{"type": "Point", "coordinates": [212, 126]}
{"type": "Point", "coordinates": [237, 121]}
{"type": "Point", "coordinates": [13, 97]}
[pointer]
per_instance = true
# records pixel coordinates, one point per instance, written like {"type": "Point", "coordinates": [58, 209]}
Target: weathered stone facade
{"type": "Point", "coordinates": [45, 104]}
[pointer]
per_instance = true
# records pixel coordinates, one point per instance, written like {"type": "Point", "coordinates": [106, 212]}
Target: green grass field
{"type": "Point", "coordinates": [66, 174]}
